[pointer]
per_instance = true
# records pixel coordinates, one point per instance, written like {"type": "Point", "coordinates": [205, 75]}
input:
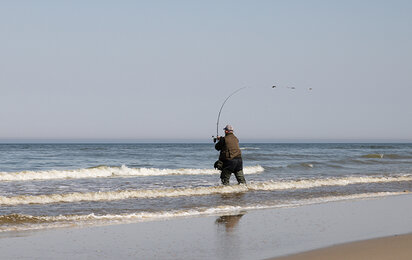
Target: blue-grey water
{"type": "Point", "coordinates": [53, 185]}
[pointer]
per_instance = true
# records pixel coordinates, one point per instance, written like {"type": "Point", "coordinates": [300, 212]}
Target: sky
{"type": "Point", "coordinates": [160, 70]}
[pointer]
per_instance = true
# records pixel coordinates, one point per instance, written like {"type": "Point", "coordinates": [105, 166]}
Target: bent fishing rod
{"type": "Point", "coordinates": [233, 93]}
{"type": "Point", "coordinates": [220, 111]}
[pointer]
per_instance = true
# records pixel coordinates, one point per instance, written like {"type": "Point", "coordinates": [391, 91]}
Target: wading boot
{"type": "Point", "coordinates": [239, 177]}
{"type": "Point", "coordinates": [225, 176]}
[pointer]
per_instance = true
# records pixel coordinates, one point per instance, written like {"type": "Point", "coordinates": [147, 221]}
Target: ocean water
{"type": "Point", "coordinates": [62, 185]}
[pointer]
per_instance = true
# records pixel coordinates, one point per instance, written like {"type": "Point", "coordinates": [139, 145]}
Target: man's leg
{"type": "Point", "coordinates": [239, 177]}
{"type": "Point", "coordinates": [239, 171]}
{"type": "Point", "coordinates": [225, 176]}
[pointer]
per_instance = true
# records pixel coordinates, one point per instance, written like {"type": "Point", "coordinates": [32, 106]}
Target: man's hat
{"type": "Point", "coordinates": [228, 128]}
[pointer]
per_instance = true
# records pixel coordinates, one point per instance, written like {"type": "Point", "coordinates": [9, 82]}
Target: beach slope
{"type": "Point", "coordinates": [393, 247]}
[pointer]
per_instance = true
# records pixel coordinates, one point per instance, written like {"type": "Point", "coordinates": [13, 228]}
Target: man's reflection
{"type": "Point", "coordinates": [229, 221]}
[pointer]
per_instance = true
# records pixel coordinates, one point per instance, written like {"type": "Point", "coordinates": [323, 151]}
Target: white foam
{"type": "Point", "coordinates": [198, 191]}
{"type": "Point", "coordinates": [119, 195]}
{"type": "Point", "coordinates": [105, 172]}
{"type": "Point", "coordinates": [313, 183]}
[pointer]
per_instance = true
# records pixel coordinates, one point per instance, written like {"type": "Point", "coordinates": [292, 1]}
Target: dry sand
{"type": "Point", "coordinates": [393, 247]}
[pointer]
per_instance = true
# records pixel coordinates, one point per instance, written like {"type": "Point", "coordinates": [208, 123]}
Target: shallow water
{"type": "Point", "coordinates": [53, 185]}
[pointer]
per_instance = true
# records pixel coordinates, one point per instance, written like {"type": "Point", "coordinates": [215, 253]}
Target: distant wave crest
{"type": "Point", "coordinates": [386, 156]}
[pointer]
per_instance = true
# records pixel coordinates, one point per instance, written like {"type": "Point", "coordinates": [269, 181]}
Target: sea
{"type": "Point", "coordinates": [46, 186]}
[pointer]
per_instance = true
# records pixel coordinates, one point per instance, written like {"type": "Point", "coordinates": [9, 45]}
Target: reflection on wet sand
{"type": "Point", "coordinates": [228, 238]}
{"type": "Point", "coordinates": [229, 221]}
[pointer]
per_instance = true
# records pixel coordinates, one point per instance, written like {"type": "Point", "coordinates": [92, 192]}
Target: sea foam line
{"type": "Point", "coordinates": [19, 222]}
{"type": "Point", "coordinates": [198, 191]}
{"type": "Point", "coordinates": [106, 171]}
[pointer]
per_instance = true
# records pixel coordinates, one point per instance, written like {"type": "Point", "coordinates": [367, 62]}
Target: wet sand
{"type": "Point", "coordinates": [393, 247]}
{"type": "Point", "coordinates": [258, 234]}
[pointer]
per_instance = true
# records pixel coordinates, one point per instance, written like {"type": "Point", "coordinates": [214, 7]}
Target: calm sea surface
{"type": "Point", "coordinates": [58, 185]}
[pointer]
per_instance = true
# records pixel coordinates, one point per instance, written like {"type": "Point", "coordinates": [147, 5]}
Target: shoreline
{"type": "Point", "coordinates": [256, 234]}
{"type": "Point", "coordinates": [390, 247]}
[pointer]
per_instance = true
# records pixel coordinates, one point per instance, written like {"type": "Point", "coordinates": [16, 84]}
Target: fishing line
{"type": "Point", "coordinates": [293, 88]}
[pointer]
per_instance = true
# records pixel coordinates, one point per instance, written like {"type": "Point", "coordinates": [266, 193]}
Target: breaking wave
{"type": "Point", "coordinates": [19, 222]}
{"type": "Point", "coordinates": [198, 191]}
{"type": "Point", "coordinates": [106, 171]}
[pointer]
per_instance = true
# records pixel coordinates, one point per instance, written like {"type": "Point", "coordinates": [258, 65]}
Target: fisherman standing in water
{"type": "Point", "coordinates": [230, 158]}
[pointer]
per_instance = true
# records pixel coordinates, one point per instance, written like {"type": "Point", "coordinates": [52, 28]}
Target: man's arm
{"type": "Point", "coordinates": [220, 144]}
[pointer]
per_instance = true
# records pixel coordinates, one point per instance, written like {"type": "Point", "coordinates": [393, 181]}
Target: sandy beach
{"type": "Point", "coordinates": [258, 234]}
{"type": "Point", "coordinates": [393, 247]}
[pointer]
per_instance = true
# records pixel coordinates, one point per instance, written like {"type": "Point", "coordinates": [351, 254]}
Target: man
{"type": "Point", "coordinates": [231, 156]}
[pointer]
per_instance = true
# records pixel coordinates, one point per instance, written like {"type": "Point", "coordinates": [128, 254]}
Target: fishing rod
{"type": "Point", "coordinates": [220, 111]}
{"type": "Point", "coordinates": [224, 102]}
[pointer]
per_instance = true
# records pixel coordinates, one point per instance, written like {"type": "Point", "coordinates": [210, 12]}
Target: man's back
{"type": "Point", "coordinates": [229, 147]}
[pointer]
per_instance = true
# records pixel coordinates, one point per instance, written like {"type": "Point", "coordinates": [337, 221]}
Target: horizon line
{"type": "Point", "coordinates": [194, 140]}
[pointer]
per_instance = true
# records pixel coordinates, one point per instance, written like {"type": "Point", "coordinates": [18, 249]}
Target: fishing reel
{"type": "Point", "coordinates": [216, 138]}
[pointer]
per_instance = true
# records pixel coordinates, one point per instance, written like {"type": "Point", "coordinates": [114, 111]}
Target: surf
{"type": "Point", "coordinates": [22, 222]}
{"type": "Point", "coordinates": [103, 171]}
{"type": "Point", "coordinates": [196, 191]}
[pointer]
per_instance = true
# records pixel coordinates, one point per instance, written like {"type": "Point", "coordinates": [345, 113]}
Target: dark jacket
{"type": "Point", "coordinates": [228, 147]}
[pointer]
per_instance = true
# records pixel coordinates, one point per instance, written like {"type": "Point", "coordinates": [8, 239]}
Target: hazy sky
{"type": "Point", "coordinates": [141, 70]}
